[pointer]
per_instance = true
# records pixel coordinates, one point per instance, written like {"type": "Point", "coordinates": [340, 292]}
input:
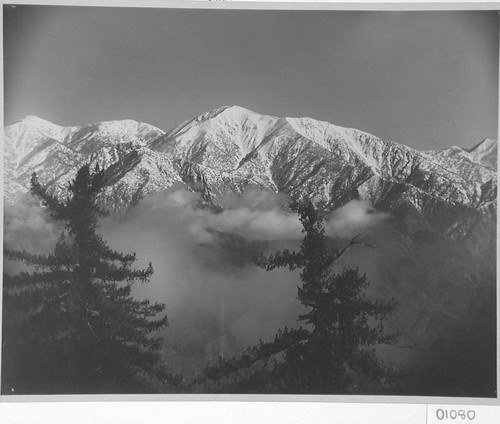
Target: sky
{"type": "Point", "coordinates": [424, 79]}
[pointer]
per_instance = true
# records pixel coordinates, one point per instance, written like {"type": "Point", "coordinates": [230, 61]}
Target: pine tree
{"type": "Point", "coordinates": [70, 324]}
{"type": "Point", "coordinates": [342, 326]}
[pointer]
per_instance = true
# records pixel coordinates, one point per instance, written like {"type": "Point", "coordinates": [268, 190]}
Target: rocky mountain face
{"type": "Point", "coordinates": [436, 256]}
{"type": "Point", "coordinates": [231, 148]}
{"type": "Point", "coordinates": [55, 153]}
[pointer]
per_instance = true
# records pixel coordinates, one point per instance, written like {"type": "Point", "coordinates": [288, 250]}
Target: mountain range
{"type": "Point", "coordinates": [231, 148]}
{"type": "Point", "coordinates": [436, 252]}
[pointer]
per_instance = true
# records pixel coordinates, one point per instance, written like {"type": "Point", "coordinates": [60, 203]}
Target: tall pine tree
{"type": "Point", "coordinates": [335, 348]}
{"type": "Point", "coordinates": [70, 324]}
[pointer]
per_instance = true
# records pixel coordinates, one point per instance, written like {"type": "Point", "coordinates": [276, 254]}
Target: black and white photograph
{"type": "Point", "coordinates": [243, 201]}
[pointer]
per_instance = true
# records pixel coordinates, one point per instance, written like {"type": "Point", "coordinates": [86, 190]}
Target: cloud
{"type": "Point", "coordinates": [255, 215]}
{"type": "Point", "coordinates": [258, 215]}
{"type": "Point", "coordinates": [217, 300]}
{"type": "Point", "coordinates": [28, 226]}
{"type": "Point", "coordinates": [354, 217]}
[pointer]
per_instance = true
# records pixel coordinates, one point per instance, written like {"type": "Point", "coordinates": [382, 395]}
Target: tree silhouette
{"type": "Point", "coordinates": [70, 324]}
{"type": "Point", "coordinates": [342, 326]}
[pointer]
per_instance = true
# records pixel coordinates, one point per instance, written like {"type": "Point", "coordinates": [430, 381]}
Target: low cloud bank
{"type": "Point", "coordinates": [217, 300]}
{"type": "Point", "coordinates": [352, 218]}
{"type": "Point", "coordinates": [27, 225]}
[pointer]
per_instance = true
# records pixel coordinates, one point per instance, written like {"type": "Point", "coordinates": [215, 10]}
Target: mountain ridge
{"type": "Point", "coordinates": [230, 148]}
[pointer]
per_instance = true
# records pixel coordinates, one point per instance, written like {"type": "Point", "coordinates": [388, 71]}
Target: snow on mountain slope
{"type": "Point", "coordinates": [55, 153]}
{"type": "Point", "coordinates": [485, 153]}
{"type": "Point", "coordinates": [219, 139]}
{"type": "Point", "coordinates": [231, 148]}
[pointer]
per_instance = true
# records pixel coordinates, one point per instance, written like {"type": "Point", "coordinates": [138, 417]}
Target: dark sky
{"type": "Point", "coordinates": [425, 79]}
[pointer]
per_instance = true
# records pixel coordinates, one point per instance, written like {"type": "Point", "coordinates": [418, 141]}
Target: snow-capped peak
{"type": "Point", "coordinates": [36, 121]}
{"type": "Point", "coordinates": [231, 147]}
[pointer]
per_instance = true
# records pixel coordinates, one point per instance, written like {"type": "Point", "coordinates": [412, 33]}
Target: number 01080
{"type": "Point", "coordinates": [454, 414]}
